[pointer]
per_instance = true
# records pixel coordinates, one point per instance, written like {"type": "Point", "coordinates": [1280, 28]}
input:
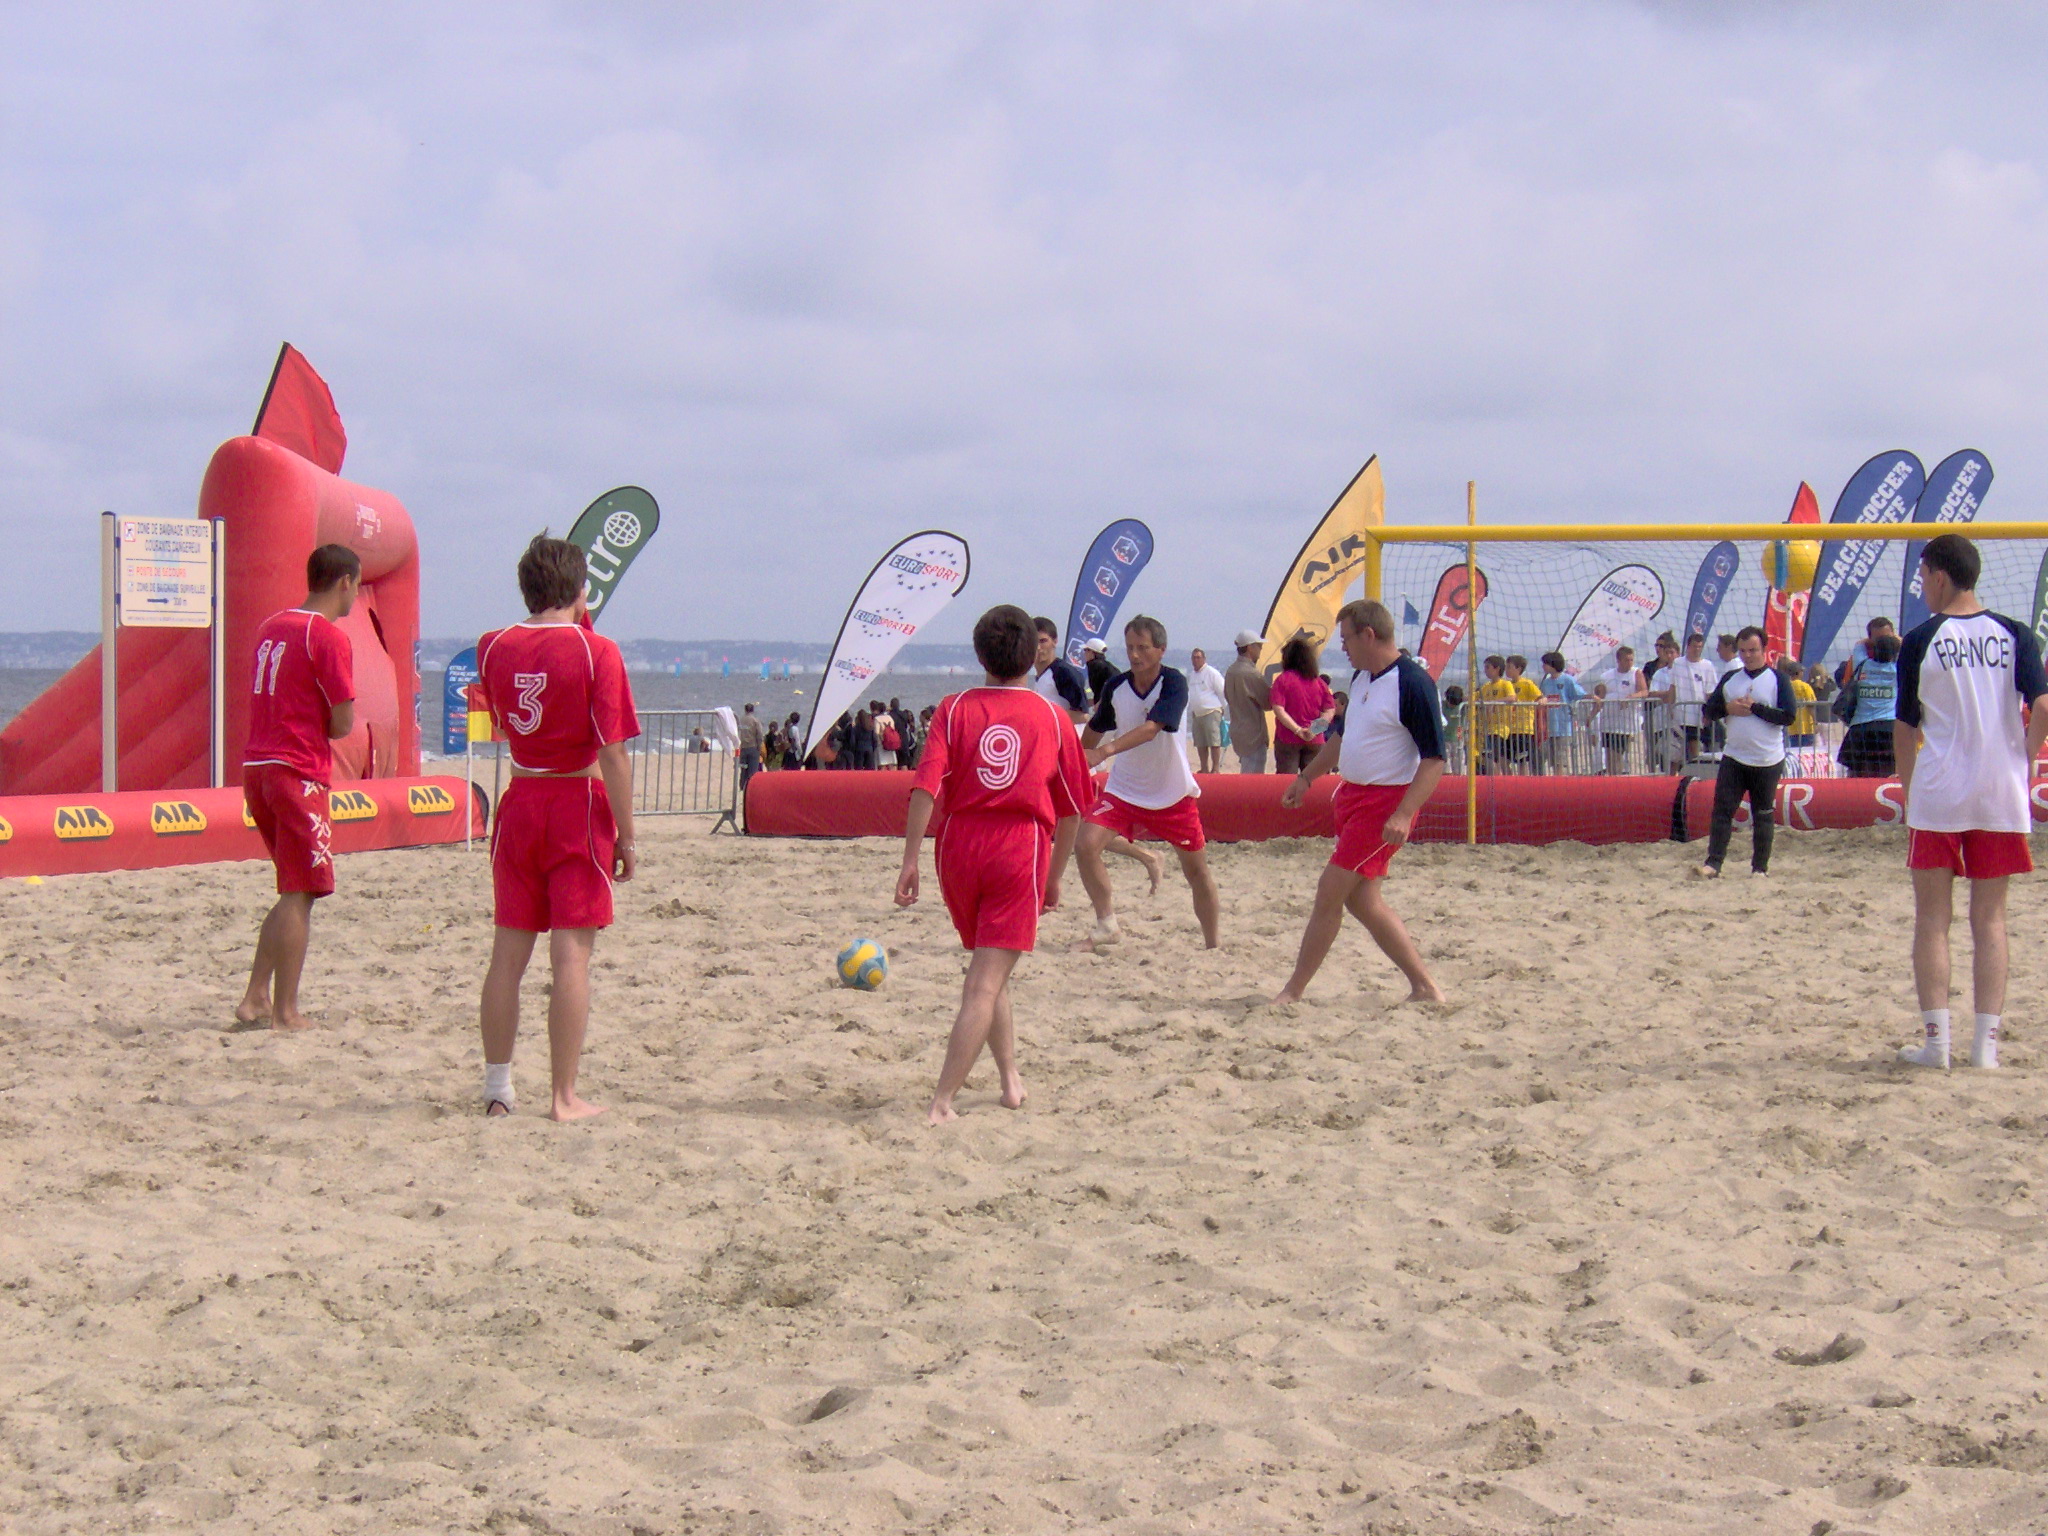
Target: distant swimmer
{"type": "Point", "coordinates": [1007, 764]}
{"type": "Point", "coordinates": [303, 699]}
{"type": "Point", "coordinates": [1139, 729]}
{"type": "Point", "coordinates": [557, 690]}
{"type": "Point", "coordinates": [1389, 751]}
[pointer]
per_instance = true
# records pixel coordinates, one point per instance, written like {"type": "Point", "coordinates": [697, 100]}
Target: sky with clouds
{"type": "Point", "coordinates": [819, 276]}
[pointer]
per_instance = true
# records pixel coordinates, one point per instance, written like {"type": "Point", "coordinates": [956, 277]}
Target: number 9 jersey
{"type": "Point", "coordinates": [1004, 752]}
{"type": "Point", "coordinates": [558, 692]}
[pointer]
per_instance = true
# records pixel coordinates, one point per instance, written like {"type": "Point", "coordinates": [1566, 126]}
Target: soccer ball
{"type": "Point", "coordinates": [863, 964]}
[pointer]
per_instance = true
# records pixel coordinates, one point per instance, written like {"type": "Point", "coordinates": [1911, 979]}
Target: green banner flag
{"type": "Point", "coordinates": [611, 532]}
{"type": "Point", "coordinates": [2041, 601]}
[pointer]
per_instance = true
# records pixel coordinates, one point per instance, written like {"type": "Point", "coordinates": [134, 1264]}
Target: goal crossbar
{"type": "Point", "coordinates": [1680, 533]}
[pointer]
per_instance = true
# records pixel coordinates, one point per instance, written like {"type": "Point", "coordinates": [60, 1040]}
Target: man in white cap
{"type": "Point", "coordinates": [1100, 669]}
{"type": "Point", "coordinates": [1247, 696]}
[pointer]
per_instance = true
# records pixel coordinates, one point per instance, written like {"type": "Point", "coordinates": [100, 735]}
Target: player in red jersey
{"type": "Point", "coordinates": [304, 697]}
{"type": "Point", "coordinates": [557, 691]}
{"type": "Point", "coordinates": [1013, 777]}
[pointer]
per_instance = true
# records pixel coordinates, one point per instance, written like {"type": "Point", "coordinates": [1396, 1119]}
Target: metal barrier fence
{"type": "Point", "coordinates": [1615, 737]}
{"type": "Point", "coordinates": [682, 766]}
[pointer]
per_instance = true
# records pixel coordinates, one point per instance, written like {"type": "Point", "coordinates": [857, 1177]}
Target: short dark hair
{"type": "Point", "coordinates": [551, 573]}
{"type": "Point", "coordinates": [1006, 641]}
{"type": "Point", "coordinates": [1554, 659]}
{"type": "Point", "coordinates": [1301, 656]}
{"type": "Point", "coordinates": [1368, 614]}
{"type": "Point", "coordinates": [1697, 634]}
{"type": "Point", "coordinates": [1880, 622]}
{"type": "Point", "coordinates": [1746, 631]}
{"type": "Point", "coordinates": [1667, 638]}
{"type": "Point", "coordinates": [1046, 627]}
{"type": "Point", "coordinates": [1885, 648]}
{"type": "Point", "coordinates": [1496, 661]}
{"type": "Point", "coordinates": [329, 564]}
{"type": "Point", "coordinates": [1727, 640]}
{"type": "Point", "coordinates": [1519, 663]}
{"type": "Point", "coordinates": [1148, 626]}
{"type": "Point", "coordinates": [1955, 557]}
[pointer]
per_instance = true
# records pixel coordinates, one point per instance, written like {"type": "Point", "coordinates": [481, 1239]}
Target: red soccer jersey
{"type": "Point", "coordinates": [557, 692]}
{"type": "Point", "coordinates": [1004, 751]}
{"type": "Point", "coordinates": [304, 667]}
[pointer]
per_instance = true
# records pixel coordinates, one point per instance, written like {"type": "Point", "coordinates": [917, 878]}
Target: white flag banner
{"type": "Point", "coordinates": [906, 590]}
{"type": "Point", "coordinates": [1620, 608]}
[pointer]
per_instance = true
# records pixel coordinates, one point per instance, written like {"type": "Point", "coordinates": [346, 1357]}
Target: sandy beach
{"type": "Point", "coordinates": [1644, 1233]}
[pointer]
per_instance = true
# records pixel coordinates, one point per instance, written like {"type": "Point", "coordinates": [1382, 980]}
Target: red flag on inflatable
{"type": "Point", "coordinates": [1785, 612]}
{"type": "Point", "coordinates": [298, 412]}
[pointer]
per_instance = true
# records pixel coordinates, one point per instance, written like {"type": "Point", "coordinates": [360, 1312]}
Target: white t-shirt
{"type": "Point", "coordinates": [1962, 682]}
{"type": "Point", "coordinates": [1690, 682]}
{"type": "Point", "coordinates": [1619, 718]}
{"type": "Point", "coordinates": [1205, 689]}
{"type": "Point", "coordinates": [1753, 740]}
{"type": "Point", "coordinates": [1391, 724]}
{"type": "Point", "coordinates": [1157, 774]}
{"type": "Point", "coordinates": [1065, 684]}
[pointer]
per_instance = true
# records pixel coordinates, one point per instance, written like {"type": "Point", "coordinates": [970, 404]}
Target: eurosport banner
{"type": "Point", "coordinates": [1328, 563]}
{"type": "Point", "coordinates": [906, 590]}
{"type": "Point", "coordinates": [611, 533]}
{"type": "Point", "coordinates": [1709, 587]}
{"type": "Point", "coordinates": [1884, 490]}
{"type": "Point", "coordinates": [1450, 616]}
{"type": "Point", "coordinates": [1956, 488]}
{"type": "Point", "coordinates": [1119, 552]}
{"type": "Point", "coordinates": [1622, 604]}
{"type": "Point", "coordinates": [1785, 612]}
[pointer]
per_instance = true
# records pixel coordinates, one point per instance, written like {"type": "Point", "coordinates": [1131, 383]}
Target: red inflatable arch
{"type": "Point", "coordinates": [277, 507]}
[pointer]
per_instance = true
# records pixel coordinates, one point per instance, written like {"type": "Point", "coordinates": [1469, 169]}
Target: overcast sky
{"type": "Point", "coordinates": [820, 276]}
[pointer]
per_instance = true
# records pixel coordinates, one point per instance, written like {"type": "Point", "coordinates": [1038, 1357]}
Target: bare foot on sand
{"type": "Point", "coordinates": [1013, 1092]}
{"type": "Point", "coordinates": [940, 1112]}
{"type": "Point", "coordinates": [1430, 994]}
{"type": "Point", "coordinates": [569, 1107]}
{"type": "Point", "coordinates": [1155, 867]}
{"type": "Point", "coordinates": [247, 1013]}
{"type": "Point", "coordinates": [289, 1023]}
{"type": "Point", "coordinates": [1283, 997]}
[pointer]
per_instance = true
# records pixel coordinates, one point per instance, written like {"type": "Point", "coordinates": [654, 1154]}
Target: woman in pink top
{"type": "Point", "coordinates": [1302, 705]}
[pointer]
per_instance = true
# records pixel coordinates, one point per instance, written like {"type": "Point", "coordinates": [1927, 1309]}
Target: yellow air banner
{"type": "Point", "coordinates": [1329, 565]}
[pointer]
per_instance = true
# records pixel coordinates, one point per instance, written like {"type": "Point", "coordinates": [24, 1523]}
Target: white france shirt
{"type": "Point", "coordinates": [1962, 681]}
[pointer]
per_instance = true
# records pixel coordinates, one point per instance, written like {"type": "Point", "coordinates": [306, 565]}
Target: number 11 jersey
{"type": "Point", "coordinates": [558, 692]}
{"type": "Point", "coordinates": [304, 667]}
{"type": "Point", "coordinates": [1004, 751]}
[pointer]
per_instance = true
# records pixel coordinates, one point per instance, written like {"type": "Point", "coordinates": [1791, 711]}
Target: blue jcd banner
{"type": "Point", "coordinates": [461, 674]}
{"type": "Point", "coordinates": [1709, 587]}
{"type": "Point", "coordinates": [1119, 552]}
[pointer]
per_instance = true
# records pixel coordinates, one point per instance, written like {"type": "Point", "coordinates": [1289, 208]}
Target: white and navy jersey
{"type": "Point", "coordinates": [1390, 726]}
{"type": "Point", "coordinates": [1962, 680]}
{"type": "Point", "coordinates": [1757, 738]}
{"type": "Point", "coordinates": [1065, 684]}
{"type": "Point", "coordinates": [1157, 774]}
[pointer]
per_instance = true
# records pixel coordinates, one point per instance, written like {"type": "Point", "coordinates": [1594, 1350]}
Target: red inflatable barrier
{"type": "Point", "coordinates": [154, 829]}
{"type": "Point", "coordinates": [1246, 808]}
{"type": "Point", "coordinates": [277, 507]}
{"type": "Point", "coordinates": [1815, 805]}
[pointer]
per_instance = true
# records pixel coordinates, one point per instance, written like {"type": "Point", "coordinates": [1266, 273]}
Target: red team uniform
{"type": "Point", "coordinates": [1006, 766]}
{"type": "Point", "coordinates": [304, 667]}
{"type": "Point", "coordinates": [558, 692]}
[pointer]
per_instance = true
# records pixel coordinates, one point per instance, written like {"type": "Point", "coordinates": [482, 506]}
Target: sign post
{"type": "Point", "coordinates": [161, 573]}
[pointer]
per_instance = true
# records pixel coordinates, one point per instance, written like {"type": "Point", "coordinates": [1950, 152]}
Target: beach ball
{"type": "Point", "coordinates": [863, 964]}
{"type": "Point", "coordinates": [1789, 564]}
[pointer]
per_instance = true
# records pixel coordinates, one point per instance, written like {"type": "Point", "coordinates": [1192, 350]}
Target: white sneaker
{"type": "Point", "coordinates": [1928, 1055]}
{"type": "Point", "coordinates": [1985, 1055]}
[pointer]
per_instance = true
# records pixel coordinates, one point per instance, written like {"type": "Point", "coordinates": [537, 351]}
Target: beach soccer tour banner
{"type": "Point", "coordinates": [906, 590]}
{"type": "Point", "coordinates": [1709, 587]}
{"type": "Point", "coordinates": [1329, 562]}
{"type": "Point", "coordinates": [1956, 488]}
{"type": "Point", "coordinates": [1884, 490]}
{"type": "Point", "coordinates": [1622, 604]}
{"type": "Point", "coordinates": [1450, 617]}
{"type": "Point", "coordinates": [611, 533]}
{"type": "Point", "coordinates": [1119, 552]}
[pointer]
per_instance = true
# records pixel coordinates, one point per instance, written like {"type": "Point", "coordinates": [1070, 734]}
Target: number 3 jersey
{"type": "Point", "coordinates": [1004, 752]}
{"type": "Point", "coordinates": [558, 692]}
{"type": "Point", "coordinates": [304, 667]}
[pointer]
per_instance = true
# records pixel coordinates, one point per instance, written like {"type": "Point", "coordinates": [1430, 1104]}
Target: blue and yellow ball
{"type": "Point", "coordinates": [863, 964]}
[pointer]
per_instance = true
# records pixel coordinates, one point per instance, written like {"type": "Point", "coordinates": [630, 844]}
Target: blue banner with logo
{"type": "Point", "coordinates": [1884, 490]}
{"type": "Point", "coordinates": [455, 682]}
{"type": "Point", "coordinates": [1708, 588]}
{"type": "Point", "coordinates": [1956, 488]}
{"type": "Point", "coordinates": [1119, 552]}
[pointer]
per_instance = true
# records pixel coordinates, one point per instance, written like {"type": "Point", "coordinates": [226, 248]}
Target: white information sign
{"type": "Point", "coordinates": [164, 572]}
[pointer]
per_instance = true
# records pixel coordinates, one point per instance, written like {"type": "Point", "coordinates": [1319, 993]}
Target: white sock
{"type": "Point", "coordinates": [1934, 1053]}
{"type": "Point", "coordinates": [498, 1083]}
{"type": "Point", "coordinates": [1984, 1053]}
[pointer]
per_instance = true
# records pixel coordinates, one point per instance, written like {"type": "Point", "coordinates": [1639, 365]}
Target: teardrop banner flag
{"type": "Point", "coordinates": [906, 590]}
{"type": "Point", "coordinates": [1622, 604]}
{"type": "Point", "coordinates": [1884, 490]}
{"type": "Point", "coordinates": [1785, 611]}
{"type": "Point", "coordinates": [1329, 562]}
{"type": "Point", "coordinates": [1956, 488]}
{"type": "Point", "coordinates": [1450, 616]}
{"type": "Point", "coordinates": [1119, 552]}
{"type": "Point", "coordinates": [1709, 587]}
{"type": "Point", "coordinates": [611, 533]}
{"type": "Point", "coordinates": [2041, 603]}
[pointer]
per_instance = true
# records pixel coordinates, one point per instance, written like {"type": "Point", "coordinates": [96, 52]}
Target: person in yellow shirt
{"type": "Point", "coordinates": [1802, 733]}
{"type": "Point", "coordinates": [1522, 718]}
{"type": "Point", "coordinates": [1495, 695]}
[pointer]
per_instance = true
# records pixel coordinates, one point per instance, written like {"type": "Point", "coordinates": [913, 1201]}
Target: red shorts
{"type": "Point", "coordinates": [551, 855]}
{"type": "Point", "coordinates": [1179, 823]}
{"type": "Point", "coordinates": [992, 873]}
{"type": "Point", "coordinates": [1361, 811]}
{"type": "Point", "coordinates": [1973, 855]}
{"type": "Point", "coordinates": [290, 812]}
